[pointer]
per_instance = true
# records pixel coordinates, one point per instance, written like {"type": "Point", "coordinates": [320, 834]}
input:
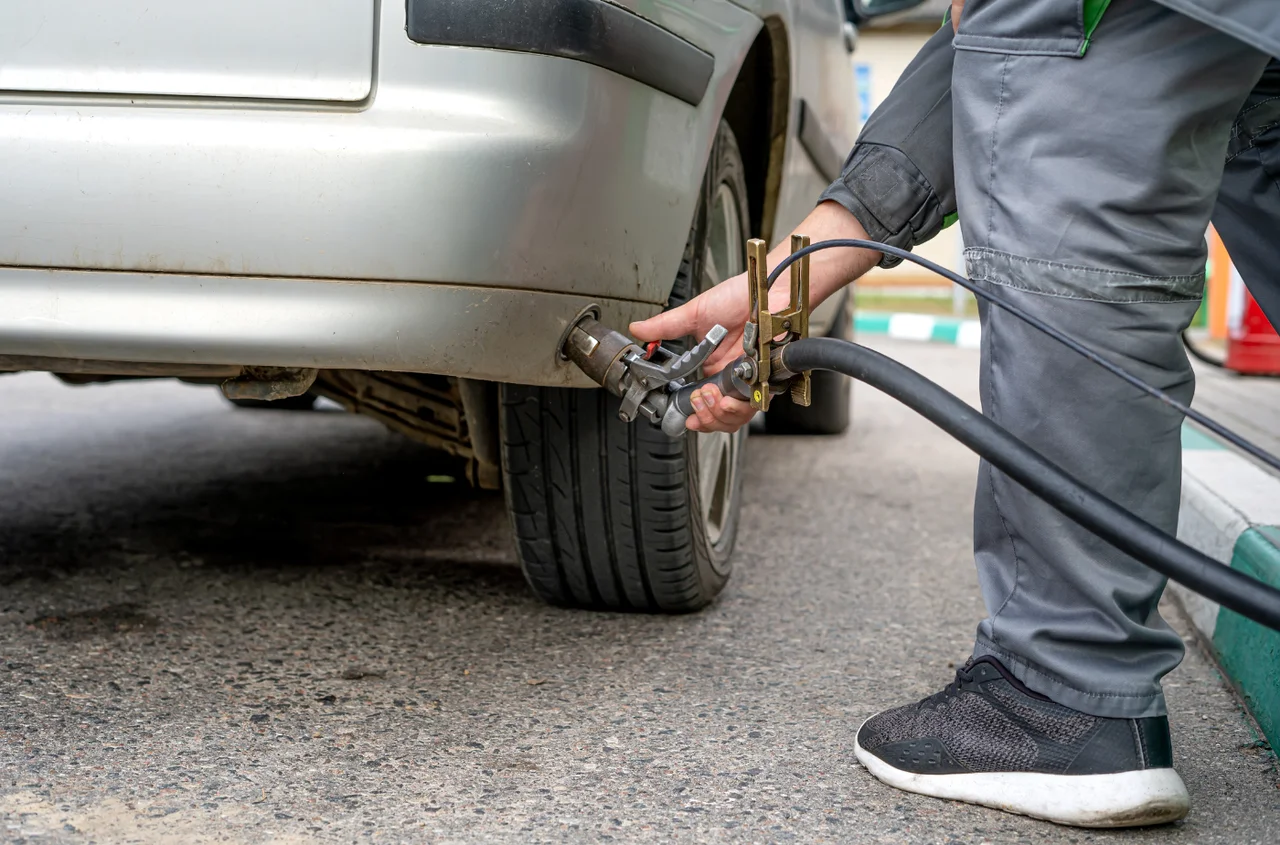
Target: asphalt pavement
{"type": "Point", "coordinates": [220, 625]}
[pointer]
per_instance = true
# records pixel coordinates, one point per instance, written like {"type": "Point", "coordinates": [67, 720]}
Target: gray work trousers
{"type": "Point", "coordinates": [1084, 186]}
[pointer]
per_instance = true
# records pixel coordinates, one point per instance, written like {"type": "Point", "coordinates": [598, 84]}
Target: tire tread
{"type": "Point", "coordinates": [603, 512]}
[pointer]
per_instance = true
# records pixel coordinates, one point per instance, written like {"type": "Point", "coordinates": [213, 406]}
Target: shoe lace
{"type": "Point", "coordinates": [951, 690]}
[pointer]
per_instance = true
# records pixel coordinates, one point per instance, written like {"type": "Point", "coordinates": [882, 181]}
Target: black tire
{"type": "Point", "coordinates": [829, 395]}
{"type": "Point", "coordinates": [608, 515]}
{"type": "Point", "coordinates": [305, 402]}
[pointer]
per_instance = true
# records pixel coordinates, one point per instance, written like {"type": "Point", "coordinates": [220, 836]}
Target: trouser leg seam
{"type": "Point", "coordinates": [991, 479]}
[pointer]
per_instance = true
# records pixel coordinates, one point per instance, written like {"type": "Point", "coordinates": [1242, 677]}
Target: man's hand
{"type": "Point", "coordinates": [957, 7]}
{"type": "Point", "coordinates": [728, 303]}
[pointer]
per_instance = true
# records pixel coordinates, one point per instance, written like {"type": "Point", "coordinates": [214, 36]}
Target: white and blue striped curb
{"type": "Point", "coordinates": [1231, 512]}
{"type": "Point", "coordinates": [923, 327]}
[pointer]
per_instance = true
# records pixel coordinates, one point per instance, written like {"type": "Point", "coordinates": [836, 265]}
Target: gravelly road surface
{"type": "Point", "coordinates": [230, 626]}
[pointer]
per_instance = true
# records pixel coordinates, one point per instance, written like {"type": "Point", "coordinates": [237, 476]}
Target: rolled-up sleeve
{"type": "Point", "coordinates": [898, 180]}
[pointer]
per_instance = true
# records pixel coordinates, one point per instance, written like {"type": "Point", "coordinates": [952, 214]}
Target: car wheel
{"type": "Point", "coordinates": [829, 395]}
{"type": "Point", "coordinates": [614, 516]}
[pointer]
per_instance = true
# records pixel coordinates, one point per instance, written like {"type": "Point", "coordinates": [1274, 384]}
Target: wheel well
{"type": "Point", "coordinates": [757, 113]}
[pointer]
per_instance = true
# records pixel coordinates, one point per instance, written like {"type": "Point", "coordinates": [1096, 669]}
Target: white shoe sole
{"type": "Point", "coordinates": [1124, 799]}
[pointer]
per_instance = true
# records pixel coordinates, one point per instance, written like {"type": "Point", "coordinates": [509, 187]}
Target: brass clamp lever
{"type": "Point", "coordinates": [767, 332]}
{"type": "Point", "coordinates": [658, 386]}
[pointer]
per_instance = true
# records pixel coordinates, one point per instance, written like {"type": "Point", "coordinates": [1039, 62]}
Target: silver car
{"type": "Point", "coordinates": [403, 205]}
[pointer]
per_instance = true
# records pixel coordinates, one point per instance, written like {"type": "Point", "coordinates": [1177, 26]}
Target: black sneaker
{"type": "Point", "coordinates": [987, 739]}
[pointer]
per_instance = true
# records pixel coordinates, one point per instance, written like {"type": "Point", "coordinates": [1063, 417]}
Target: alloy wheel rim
{"type": "Point", "coordinates": [717, 452]}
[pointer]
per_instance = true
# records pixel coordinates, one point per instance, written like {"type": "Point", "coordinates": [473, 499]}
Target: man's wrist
{"type": "Point", "coordinates": [829, 269]}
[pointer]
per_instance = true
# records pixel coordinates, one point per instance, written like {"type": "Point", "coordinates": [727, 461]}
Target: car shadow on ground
{"type": "Point", "coordinates": [265, 508]}
{"type": "Point", "coordinates": [332, 514]}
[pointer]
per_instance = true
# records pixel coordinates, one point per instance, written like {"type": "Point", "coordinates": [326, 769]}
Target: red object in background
{"type": "Point", "coordinates": [1253, 347]}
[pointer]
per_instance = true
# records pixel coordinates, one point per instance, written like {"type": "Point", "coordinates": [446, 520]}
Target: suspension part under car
{"type": "Point", "coordinates": [778, 355]}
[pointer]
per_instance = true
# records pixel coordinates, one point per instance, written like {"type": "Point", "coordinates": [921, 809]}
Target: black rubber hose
{"type": "Point", "coordinates": [1199, 354]}
{"type": "Point", "coordinates": [1149, 545]}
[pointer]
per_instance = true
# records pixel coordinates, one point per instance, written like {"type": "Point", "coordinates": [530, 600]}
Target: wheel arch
{"type": "Point", "coordinates": [757, 111]}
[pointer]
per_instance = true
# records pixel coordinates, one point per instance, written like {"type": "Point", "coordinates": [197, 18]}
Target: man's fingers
{"type": "Point", "coordinates": [663, 328]}
{"type": "Point", "coordinates": [678, 322]}
{"type": "Point", "coordinates": [733, 413]}
{"type": "Point", "coordinates": [703, 404]}
{"type": "Point", "coordinates": [714, 412]}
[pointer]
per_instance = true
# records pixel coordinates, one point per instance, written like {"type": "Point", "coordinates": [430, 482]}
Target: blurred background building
{"type": "Point", "coordinates": [884, 49]}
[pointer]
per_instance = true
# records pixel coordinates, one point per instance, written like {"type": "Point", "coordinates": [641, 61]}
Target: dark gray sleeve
{"type": "Point", "coordinates": [898, 179]}
{"type": "Point", "coordinates": [1247, 215]}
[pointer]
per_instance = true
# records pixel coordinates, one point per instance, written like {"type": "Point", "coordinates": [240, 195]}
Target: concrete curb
{"type": "Point", "coordinates": [924, 327]}
{"type": "Point", "coordinates": [1231, 512]}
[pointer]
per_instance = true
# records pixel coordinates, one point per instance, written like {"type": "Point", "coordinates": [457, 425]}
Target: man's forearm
{"type": "Point", "coordinates": [829, 269]}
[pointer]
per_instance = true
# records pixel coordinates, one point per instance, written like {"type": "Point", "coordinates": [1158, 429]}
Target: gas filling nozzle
{"type": "Point", "coordinates": [658, 385]}
{"type": "Point", "coordinates": [654, 385]}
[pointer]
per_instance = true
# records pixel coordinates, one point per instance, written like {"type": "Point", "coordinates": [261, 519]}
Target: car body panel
{"type": "Point", "coordinates": [468, 167]}
{"type": "Point", "coordinates": [516, 174]}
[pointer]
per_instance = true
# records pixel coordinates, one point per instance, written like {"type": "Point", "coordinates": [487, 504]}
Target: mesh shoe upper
{"type": "Point", "coordinates": [987, 721]}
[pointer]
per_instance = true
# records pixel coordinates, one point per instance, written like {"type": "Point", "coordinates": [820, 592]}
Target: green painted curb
{"type": "Point", "coordinates": [946, 331]}
{"type": "Point", "coordinates": [1250, 653]}
{"type": "Point", "coordinates": [956, 331]}
{"type": "Point", "coordinates": [871, 323]}
{"type": "Point", "coordinates": [1229, 510]}
{"type": "Point", "coordinates": [1195, 439]}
